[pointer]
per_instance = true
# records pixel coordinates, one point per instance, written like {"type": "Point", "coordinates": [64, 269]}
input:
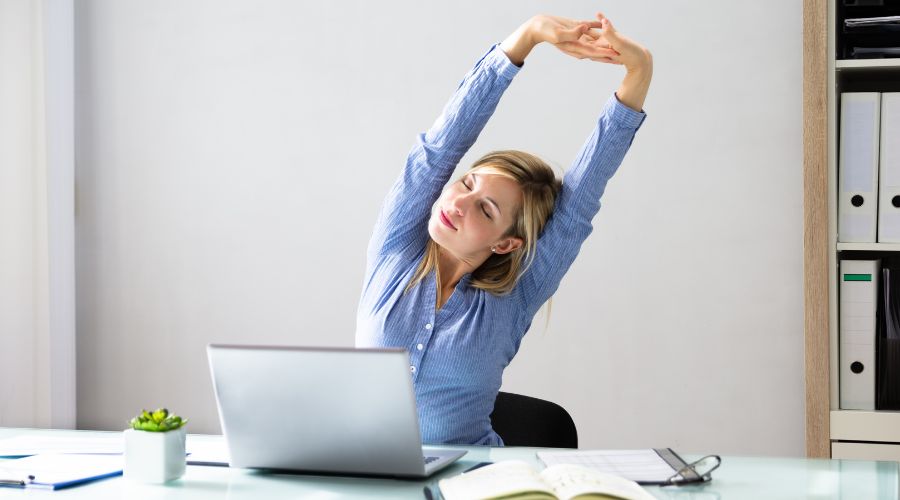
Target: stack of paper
{"type": "Point", "coordinates": [21, 446]}
{"type": "Point", "coordinates": [56, 471]}
{"type": "Point", "coordinates": [201, 450]}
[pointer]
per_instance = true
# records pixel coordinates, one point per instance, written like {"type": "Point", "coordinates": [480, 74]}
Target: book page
{"type": "Point", "coordinates": [570, 481]}
{"type": "Point", "coordinates": [502, 479]}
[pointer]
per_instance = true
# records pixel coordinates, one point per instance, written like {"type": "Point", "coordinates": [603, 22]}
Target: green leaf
{"type": "Point", "coordinates": [159, 420]}
{"type": "Point", "coordinates": [160, 415]}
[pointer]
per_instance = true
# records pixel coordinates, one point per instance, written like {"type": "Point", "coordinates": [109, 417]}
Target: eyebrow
{"type": "Point", "coordinates": [474, 176]}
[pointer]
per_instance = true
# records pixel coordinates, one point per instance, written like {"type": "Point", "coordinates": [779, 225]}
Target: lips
{"type": "Point", "coordinates": [446, 221]}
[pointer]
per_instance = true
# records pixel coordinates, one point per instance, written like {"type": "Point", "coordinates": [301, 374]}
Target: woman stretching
{"type": "Point", "coordinates": [455, 273]}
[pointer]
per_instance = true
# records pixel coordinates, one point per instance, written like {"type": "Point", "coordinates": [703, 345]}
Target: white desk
{"type": "Point", "coordinates": [738, 478]}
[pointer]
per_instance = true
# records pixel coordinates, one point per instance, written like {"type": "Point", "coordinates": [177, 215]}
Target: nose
{"type": "Point", "coordinates": [460, 204]}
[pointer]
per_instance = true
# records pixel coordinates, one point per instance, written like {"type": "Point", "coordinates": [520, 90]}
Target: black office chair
{"type": "Point", "coordinates": [526, 421]}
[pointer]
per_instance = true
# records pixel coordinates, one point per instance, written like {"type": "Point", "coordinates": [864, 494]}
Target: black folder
{"type": "Point", "coordinates": [887, 344]}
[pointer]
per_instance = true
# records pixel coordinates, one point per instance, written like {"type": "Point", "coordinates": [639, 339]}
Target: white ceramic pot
{"type": "Point", "coordinates": [154, 457]}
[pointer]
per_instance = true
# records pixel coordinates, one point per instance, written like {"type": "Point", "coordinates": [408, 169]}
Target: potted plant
{"type": "Point", "coordinates": [154, 447]}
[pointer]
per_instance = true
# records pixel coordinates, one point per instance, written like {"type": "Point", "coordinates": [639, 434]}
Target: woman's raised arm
{"type": "Point", "coordinates": [599, 158]}
{"type": "Point", "coordinates": [402, 224]}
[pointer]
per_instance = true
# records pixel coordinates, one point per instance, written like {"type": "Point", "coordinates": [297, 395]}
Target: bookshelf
{"type": "Point", "coordinates": [830, 431]}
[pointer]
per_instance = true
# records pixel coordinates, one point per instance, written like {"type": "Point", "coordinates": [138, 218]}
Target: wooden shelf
{"type": "Point", "coordinates": [862, 425]}
{"type": "Point", "coordinates": [870, 247]}
{"type": "Point", "coordinates": [860, 64]}
{"type": "Point", "coordinates": [850, 434]}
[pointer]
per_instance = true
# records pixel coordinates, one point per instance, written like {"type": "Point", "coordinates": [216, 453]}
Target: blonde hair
{"type": "Point", "coordinates": [540, 187]}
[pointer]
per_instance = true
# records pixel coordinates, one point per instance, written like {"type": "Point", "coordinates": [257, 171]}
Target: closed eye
{"type": "Point", "coordinates": [483, 206]}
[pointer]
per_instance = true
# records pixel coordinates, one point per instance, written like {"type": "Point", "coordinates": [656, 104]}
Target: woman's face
{"type": "Point", "coordinates": [473, 214]}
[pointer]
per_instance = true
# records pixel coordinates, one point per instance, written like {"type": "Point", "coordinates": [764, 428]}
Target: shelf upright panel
{"type": "Point", "coordinates": [832, 143]}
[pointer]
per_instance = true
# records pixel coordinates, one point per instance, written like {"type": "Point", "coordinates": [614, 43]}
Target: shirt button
{"type": "Point", "coordinates": [412, 369]}
{"type": "Point", "coordinates": [428, 326]}
{"type": "Point", "coordinates": [420, 347]}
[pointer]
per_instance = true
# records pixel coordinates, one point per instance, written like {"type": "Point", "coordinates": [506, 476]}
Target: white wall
{"type": "Point", "coordinates": [37, 241]}
{"type": "Point", "coordinates": [232, 156]}
{"type": "Point", "coordinates": [18, 22]}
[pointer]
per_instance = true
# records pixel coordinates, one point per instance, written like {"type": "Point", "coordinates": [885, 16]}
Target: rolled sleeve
{"type": "Point", "coordinates": [623, 116]}
{"type": "Point", "coordinates": [499, 61]}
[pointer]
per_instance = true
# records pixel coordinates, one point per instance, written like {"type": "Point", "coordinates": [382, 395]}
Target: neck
{"type": "Point", "coordinates": [451, 268]}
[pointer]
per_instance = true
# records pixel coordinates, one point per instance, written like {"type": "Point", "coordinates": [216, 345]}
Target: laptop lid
{"type": "Point", "coordinates": [318, 409]}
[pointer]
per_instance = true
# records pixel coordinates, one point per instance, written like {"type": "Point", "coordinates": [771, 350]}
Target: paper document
{"type": "Point", "coordinates": [201, 449]}
{"type": "Point", "coordinates": [207, 451]}
{"type": "Point", "coordinates": [643, 466]}
{"type": "Point", "coordinates": [20, 446]}
{"type": "Point", "coordinates": [56, 471]}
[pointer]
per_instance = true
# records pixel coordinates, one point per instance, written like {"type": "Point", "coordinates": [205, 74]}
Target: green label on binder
{"type": "Point", "coordinates": [857, 277]}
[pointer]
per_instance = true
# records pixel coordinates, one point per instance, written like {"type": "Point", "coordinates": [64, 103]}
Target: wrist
{"type": "Point", "coordinates": [518, 45]}
{"type": "Point", "coordinates": [643, 67]}
{"type": "Point", "coordinates": [531, 30]}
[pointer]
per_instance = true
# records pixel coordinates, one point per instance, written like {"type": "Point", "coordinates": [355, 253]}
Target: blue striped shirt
{"type": "Point", "coordinates": [457, 354]}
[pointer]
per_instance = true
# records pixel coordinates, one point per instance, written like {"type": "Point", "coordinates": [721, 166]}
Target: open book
{"type": "Point", "coordinates": [515, 479]}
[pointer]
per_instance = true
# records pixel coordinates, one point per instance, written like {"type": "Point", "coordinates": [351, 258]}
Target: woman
{"type": "Point", "coordinates": [457, 276]}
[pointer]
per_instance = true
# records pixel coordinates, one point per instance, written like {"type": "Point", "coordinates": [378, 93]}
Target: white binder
{"type": "Point", "coordinates": [859, 301]}
{"type": "Point", "coordinates": [889, 170]}
{"type": "Point", "coordinates": [858, 166]}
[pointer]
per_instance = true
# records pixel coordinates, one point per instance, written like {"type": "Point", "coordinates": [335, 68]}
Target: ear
{"type": "Point", "coordinates": [508, 245]}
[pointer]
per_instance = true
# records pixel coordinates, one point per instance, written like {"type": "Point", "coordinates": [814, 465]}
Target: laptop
{"type": "Point", "coordinates": [321, 410]}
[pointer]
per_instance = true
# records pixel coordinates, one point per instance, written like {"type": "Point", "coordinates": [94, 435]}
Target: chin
{"type": "Point", "coordinates": [434, 231]}
{"type": "Point", "coordinates": [439, 236]}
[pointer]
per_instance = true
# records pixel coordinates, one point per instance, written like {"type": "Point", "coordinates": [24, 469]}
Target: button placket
{"type": "Point", "coordinates": [419, 352]}
{"type": "Point", "coordinates": [421, 337]}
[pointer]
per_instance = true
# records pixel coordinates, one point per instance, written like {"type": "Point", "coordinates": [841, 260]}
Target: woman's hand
{"type": "Point", "coordinates": [575, 38]}
{"type": "Point", "coordinates": [559, 31]}
{"type": "Point", "coordinates": [612, 47]}
{"type": "Point", "coordinates": [595, 40]}
{"type": "Point", "coordinates": [637, 61]}
{"type": "Point", "coordinates": [631, 54]}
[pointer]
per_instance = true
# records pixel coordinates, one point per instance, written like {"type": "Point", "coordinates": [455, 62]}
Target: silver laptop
{"type": "Point", "coordinates": [344, 411]}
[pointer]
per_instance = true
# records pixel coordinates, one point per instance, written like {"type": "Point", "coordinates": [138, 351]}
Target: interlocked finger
{"type": "Point", "coordinates": [587, 49]}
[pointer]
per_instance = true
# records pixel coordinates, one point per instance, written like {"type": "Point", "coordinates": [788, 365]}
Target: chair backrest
{"type": "Point", "coordinates": [527, 421]}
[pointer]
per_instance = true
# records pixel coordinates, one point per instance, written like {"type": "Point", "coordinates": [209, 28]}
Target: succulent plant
{"type": "Point", "coordinates": [159, 420]}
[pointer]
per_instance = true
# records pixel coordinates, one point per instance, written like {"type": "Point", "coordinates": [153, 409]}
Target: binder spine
{"type": "Point", "coordinates": [858, 323]}
{"type": "Point", "coordinates": [889, 170]}
{"type": "Point", "coordinates": [858, 166]}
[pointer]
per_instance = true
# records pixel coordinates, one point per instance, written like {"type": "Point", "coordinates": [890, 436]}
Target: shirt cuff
{"type": "Point", "coordinates": [499, 61]}
{"type": "Point", "coordinates": [622, 114]}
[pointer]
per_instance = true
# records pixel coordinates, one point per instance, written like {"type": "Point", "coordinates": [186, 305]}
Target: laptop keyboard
{"type": "Point", "coordinates": [428, 460]}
